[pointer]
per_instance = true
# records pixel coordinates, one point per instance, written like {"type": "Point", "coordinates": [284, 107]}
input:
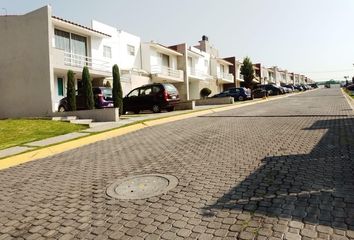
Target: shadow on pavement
{"type": "Point", "coordinates": [315, 188]}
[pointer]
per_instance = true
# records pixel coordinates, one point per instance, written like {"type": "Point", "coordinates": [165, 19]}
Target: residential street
{"type": "Point", "coordinates": [281, 169]}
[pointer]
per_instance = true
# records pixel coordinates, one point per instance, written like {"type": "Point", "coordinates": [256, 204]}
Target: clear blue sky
{"type": "Point", "coordinates": [314, 37]}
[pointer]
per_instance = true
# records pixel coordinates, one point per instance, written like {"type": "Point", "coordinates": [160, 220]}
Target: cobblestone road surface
{"type": "Point", "coordinates": [277, 170]}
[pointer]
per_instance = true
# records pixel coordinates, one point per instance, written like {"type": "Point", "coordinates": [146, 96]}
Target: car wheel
{"type": "Point", "coordinates": [61, 109]}
{"type": "Point", "coordinates": [156, 109]}
{"type": "Point", "coordinates": [240, 98]}
{"type": "Point", "coordinates": [136, 111]}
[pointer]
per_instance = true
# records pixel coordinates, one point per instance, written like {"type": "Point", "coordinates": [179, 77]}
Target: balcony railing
{"type": "Point", "coordinates": [227, 76]}
{"type": "Point", "coordinates": [167, 71]}
{"type": "Point", "coordinates": [76, 60]}
{"type": "Point", "coordinates": [198, 73]}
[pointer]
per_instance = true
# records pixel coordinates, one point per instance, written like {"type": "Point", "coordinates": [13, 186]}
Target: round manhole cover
{"type": "Point", "coordinates": [142, 186]}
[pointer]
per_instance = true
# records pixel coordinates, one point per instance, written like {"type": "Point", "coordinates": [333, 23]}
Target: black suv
{"type": "Point", "coordinates": [271, 89]}
{"type": "Point", "coordinates": [155, 97]}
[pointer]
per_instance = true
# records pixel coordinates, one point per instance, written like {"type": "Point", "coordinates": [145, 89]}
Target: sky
{"type": "Point", "coordinates": [312, 37]}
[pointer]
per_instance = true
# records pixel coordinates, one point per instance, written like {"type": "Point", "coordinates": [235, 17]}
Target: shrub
{"type": "Point", "coordinates": [205, 92]}
{"type": "Point", "coordinates": [117, 89]}
{"type": "Point", "coordinates": [87, 89]}
{"type": "Point", "coordinates": [70, 94]}
{"type": "Point", "coordinates": [108, 84]}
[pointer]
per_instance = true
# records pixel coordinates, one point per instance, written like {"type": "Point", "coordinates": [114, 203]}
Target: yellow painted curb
{"type": "Point", "coordinates": [62, 147]}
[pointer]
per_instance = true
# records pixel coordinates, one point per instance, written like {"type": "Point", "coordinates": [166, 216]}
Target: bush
{"type": "Point", "coordinates": [71, 94]}
{"type": "Point", "coordinates": [87, 88]}
{"type": "Point", "coordinates": [117, 91]}
{"type": "Point", "coordinates": [108, 84]}
{"type": "Point", "coordinates": [205, 92]}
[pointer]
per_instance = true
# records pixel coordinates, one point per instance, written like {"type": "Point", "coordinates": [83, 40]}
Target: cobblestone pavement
{"type": "Point", "coordinates": [277, 170]}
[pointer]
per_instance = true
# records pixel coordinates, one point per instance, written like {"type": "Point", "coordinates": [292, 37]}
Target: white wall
{"type": "Point", "coordinates": [119, 44]}
{"type": "Point", "coordinates": [26, 79]}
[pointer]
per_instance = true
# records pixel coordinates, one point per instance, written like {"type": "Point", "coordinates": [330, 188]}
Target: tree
{"type": "Point", "coordinates": [117, 90]}
{"type": "Point", "coordinates": [87, 89]}
{"type": "Point", "coordinates": [248, 72]}
{"type": "Point", "coordinates": [71, 94]}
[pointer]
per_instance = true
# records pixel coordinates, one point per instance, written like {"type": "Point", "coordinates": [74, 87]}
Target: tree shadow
{"type": "Point", "coordinates": [316, 188]}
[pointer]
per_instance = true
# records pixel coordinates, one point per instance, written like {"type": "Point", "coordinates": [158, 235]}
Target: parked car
{"type": "Point", "coordinates": [298, 87]}
{"type": "Point", "coordinates": [260, 93]}
{"type": "Point", "coordinates": [239, 94]}
{"type": "Point", "coordinates": [271, 88]}
{"type": "Point", "coordinates": [102, 97]}
{"type": "Point", "coordinates": [314, 85]}
{"type": "Point", "coordinates": [350, 87]}
{"type": "Point", "coordinates": [291, 87]}
{"type": "Point", "coordinates": [155, 97]}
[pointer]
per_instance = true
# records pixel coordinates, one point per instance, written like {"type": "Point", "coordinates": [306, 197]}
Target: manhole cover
{"type": "Point", "coordinates": [142, 186]}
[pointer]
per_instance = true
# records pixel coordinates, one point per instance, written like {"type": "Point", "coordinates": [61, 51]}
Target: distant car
{"type": "Point", "coordinates": [314, 85]}
{"type": "Point", "coordinates": [298, 87]}
{"type": "Point", "coordinates": [102, 97]}
{"type": "Point", "coordinates": [271, 88]}
{"type": "Point", "coordinates": [350, 87]}
{"type": "Point", "coordinates": [155, 97]}
{"type": "Point", "coordinates": [239, 94]}
{"type": "Point", "coordinates": [327, 85]}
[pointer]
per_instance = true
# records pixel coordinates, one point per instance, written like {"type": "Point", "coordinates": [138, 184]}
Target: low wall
{"type": "Point", "coordinates": [97, 115]}
{"type": "Point", "coordinates": [214, 101]}
{"type": "Point", "coordinates": [185, 105]}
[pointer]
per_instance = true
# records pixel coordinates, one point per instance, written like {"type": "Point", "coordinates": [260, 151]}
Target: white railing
{"type": "Point", "coordinates": [76, 60]}
{"type": "Point", "coordinates": [198, 73]}
{"type": "Point", "coordinates": [227, 76]}
{"type": "Point", "coordinates": [167, 71]}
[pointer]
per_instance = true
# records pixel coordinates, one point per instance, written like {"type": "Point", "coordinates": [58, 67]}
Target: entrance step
{"type": "Point", "coordinates": [66, 119]}
{"type": "Point", "coordinates": [81, 121]}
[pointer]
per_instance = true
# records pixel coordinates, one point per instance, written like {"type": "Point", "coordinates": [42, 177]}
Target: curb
{"type": "Point", "coordinates": [66, 146]}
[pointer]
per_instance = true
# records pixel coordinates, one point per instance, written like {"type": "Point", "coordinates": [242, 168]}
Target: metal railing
{"type": "Point", "coordinates": [227, 76]}
{"type": "Point", "coordinates": [198, 73]}
{"type": "Point", "coordinates": [76, 60]}
{"type": "Point", "coordinates": [167, 71]}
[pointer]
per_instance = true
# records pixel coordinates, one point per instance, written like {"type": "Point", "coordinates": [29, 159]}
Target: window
{"type": "Point", "coordinates": [60, 87]}
{"type": "Point", "coordinates": [206, 63]}
{"type": "Point", "coordinates": [156, 89]}
{"type": "Point", "coordinates": [165, 60]}
{"type": "Point", "coordinates": [134, 93]}
{"type": "Point", "coordinates": [70, 42]}
{"type": "Point", "coordinates": [146, 91]}
{"type": "Point", "coordinates": [62, 40]}
{"type": "Point", "coordinates": [222, 69]}
{"type": "Point", "coordinates": [190, 62]}
{"type": "Point", "coordinates": [107, 52]}
{"type": "Point", "coordinates": [131, 50]}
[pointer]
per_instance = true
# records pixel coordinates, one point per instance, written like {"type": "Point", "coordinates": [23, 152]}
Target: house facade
{"type": "Point", "coordinates": [42, 48]}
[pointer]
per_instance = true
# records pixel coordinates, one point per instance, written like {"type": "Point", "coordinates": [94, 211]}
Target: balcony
{"type": "Point", "coordinates": [225, 77]}
{"type": "Point", "coordinates": [69, 61]}
{"type": "Point", "coordinates": [240, 78]}
{"type": "Point", "coordinates": [198, 75]}
{"type": "Point", "coordinates": [166, 74]}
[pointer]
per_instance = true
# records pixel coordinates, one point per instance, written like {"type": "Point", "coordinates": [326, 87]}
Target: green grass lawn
{"type": "Point", "coordinates": [14, 132]}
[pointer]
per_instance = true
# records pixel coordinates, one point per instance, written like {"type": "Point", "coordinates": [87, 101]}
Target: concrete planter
{"type": "Point", "coordinates": [214, 101]}
{"type": "Point", "coordinates": [97, 115]}
{"type": "Point", "coordinates": [185, 105]}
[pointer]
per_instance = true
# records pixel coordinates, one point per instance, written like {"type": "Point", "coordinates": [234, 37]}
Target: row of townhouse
{"type": "Point", "coordinates": [38, 49]}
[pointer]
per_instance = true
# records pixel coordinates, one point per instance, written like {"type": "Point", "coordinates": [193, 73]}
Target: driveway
{"type": "Point", "coordinates": [281, 169]}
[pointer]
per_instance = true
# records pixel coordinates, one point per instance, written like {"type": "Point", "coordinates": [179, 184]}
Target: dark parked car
{"type": "Point", "coordinates": [350, 87]}
{"type": "Point", "coordinates": [314, 85]}
{"type": "Point", "coordinates": [155, 97]}
{"type": "Point", "coordinates": [102, 97]}
{"type": "Point", "coordinates": [239, 94]}
{"type": "Point", "coordinates": [260, 93]}
{"type": "Point", "coordinates": [272, 89]}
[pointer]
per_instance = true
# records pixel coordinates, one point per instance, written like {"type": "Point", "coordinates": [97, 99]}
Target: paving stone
{"type": "Point", "coordinates": [280, 169]}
